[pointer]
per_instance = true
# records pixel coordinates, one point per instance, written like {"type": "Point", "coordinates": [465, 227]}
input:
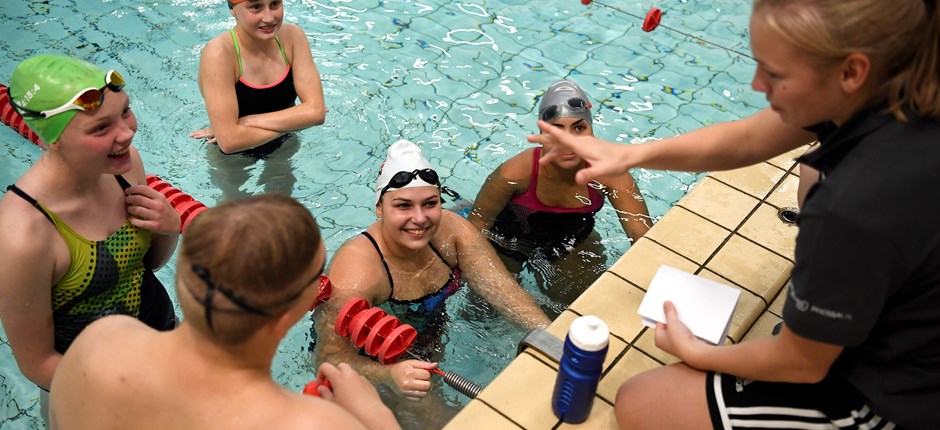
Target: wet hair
{"type": "Point", "coordinates": [242, 263]}
{"type": "Point", "coordinates": [901, 37]}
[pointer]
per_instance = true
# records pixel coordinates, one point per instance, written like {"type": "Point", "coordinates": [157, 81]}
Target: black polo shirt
{"type": "Point", "coordinates": [867, 272]}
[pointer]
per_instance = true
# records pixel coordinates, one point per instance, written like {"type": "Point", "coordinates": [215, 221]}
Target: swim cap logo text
{"type": "Point", "coordinates": [27, 97]}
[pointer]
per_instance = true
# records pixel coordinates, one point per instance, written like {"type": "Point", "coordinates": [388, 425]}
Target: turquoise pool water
{"type": "Point", "coordinates": [459, 78]}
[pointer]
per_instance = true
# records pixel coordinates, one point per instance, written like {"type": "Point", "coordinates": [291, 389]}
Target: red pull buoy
{"type": "Point", "coordinates": [311, 388]}
{"type": "Point", "coordinates": [652, 19]}
{"type": "Point", "coordinates": [396, 343]}
{"type": "Point", "coordinates": [346, 314]}
{"type": "Point", "coordinates": [323, 294]}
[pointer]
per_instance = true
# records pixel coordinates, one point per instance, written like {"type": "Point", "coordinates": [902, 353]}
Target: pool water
{"type": "Point", "coordinates": [461, 79]}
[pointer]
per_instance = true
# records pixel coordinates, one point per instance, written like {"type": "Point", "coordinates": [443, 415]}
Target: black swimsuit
{"type": "Point", "coordinates": [257, 99]}
{"type": "Point", "coordinates": [427, 314]}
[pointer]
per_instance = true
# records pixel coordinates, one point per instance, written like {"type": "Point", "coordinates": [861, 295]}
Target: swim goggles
{"type": "Point", "coordinates": [403, 178]}
{"type": "Point", "coordinates": [86, 100]}
{"type": "Point", "coordinates": [575, 104]}
{"type": "Point", "coordinates": [212, 287]}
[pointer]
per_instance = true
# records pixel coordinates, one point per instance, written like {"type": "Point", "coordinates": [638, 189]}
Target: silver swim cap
{"type": "Point", "coordinates": [565, 99]}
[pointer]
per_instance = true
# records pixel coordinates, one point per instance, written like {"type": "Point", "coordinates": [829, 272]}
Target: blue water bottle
{"type": "Point", "coordinates": [581, 365]}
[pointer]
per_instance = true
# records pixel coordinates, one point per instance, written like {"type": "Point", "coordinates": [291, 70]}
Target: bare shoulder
{"type": "Point", "coordinates": [26, 232]}
{"type": "Point", "coordinates": [519, 167]}
{"type": "Point", "coordinates": [293, 32]}
{"type": "Point", "coordinates": [108, 340]}
{"type": "Point", "coordinates": [220, 44]}
{"type": "Point", "coordinates": [357, 269]}
{"type": "Point", "coordinates": [455, 229]}
{"type": "Point", "coordinates": [113, 332]}
{"type": "Point", "coordinates": [307, 412]}
{"type": "Point", "coordinates": [219, 53]}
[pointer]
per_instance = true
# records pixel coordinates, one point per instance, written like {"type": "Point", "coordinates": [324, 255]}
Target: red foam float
{"type": "Point", "coordinates": [397, 342]}
{"type": "Point", "coordinates": [652, 19]}
{"type": "Point", "coordinates": [378, 334]}
{"type": "Point", "coordinates": [311, 388]}
{"type": "Point", "coordinates": [13, 119]}
{"type": "Point", "coordinates": [346, 314]}
{"type": "Point", "coordinates": [380, 331]}
{"type": "Point", "coordinates": [185, 205]}
{"type": "Point", "coordinates": [362, 325]}
{"type": "Point", "coordinates": [323, 293]}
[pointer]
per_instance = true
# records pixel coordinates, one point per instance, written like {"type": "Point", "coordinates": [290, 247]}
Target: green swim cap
{"type": "Point", "coordinates": [46, 82]}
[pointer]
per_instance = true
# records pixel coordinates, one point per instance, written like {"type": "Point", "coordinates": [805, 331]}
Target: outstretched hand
{"type": "Point", "coordinates": [151, 211]}
{"type": "Point", "coordinates": [605, 158]}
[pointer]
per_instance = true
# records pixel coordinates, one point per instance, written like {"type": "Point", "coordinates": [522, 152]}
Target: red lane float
{"type": "Point", "coordinates": [381, 335]}
{"type": "Point", "coordinates": [311, 388]}
{"type": "Point", "coordinates": [652, 19]}
{"type": "Point", "coordinates": [187, 207]}
{"type": "Point", "coordinates": [12, 118]}
{"type": "Point", "coordinates": [323, 293]}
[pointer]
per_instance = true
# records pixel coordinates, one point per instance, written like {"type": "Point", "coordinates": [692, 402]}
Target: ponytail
{"type": "Point", "coordinates": [917, 88]}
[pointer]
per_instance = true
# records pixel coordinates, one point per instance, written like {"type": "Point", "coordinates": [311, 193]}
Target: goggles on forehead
{"type": "Point", "coordinates": [403, 178]}
{"type": "Point", "coordinates": [86, 100]}
{"type": "Point", "coordinates": [574, 104]}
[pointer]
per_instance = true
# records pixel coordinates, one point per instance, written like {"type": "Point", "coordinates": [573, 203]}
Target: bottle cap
{"type": "Point", "coordinates": [589, 333]}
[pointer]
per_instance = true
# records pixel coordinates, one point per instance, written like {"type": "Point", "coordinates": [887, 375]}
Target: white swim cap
{"type": "Point", "coordinates": [404, 158]}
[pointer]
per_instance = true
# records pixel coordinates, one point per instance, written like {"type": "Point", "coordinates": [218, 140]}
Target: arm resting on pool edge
{"type": "Point", "coordinates": [488, 277]}
{"type": "Point", "coordinates": [624, 195]}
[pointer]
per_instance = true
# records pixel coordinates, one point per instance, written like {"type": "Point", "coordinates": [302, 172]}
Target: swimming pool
{"type": "Point", "coordinates": [459, 78]}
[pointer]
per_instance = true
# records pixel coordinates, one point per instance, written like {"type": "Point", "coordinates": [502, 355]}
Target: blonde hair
{"type": "Point", "coordinates": [258, 249]}
{"type": "Point", "coordinates": [901, 37]}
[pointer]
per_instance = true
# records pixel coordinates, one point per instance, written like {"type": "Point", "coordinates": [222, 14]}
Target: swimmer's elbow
{"type": "Point", "coordinates": [318, 117]}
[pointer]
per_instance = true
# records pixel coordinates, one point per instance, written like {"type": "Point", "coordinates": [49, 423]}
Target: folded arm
{"type": "Point", "coordinates": [218, 73]}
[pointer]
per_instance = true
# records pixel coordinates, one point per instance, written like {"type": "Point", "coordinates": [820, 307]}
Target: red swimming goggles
{"type": "Point", "coordinates": [86, 100]}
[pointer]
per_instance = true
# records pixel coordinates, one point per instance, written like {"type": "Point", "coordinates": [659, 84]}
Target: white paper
{"type": "Point", "coordinates": [705, 306]}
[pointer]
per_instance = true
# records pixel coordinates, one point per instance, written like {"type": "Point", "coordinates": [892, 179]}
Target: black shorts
{"type": "Point", "coordinates": [737, 403]}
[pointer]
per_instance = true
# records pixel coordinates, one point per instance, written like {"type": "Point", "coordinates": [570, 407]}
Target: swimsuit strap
{"type": "Point", "coordinates": [391, 283]}
{"type": "Point", "coordinates": [534, 177]}
{"type": "Point", "coordinates": [283, 54]}
{"type": "Point", "coordinates": [440, 256]}
{"type": "Point", "coordinates": [123, 182]}
{"type": "Point", "coordinates": [238, 53]}
{"type": "Point", "coordinates": [29, 199]}
{"type": "Point", "coordinates": [16, 190]}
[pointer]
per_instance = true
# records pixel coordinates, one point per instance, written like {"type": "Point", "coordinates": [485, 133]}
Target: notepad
{"type": "Point", "coordinates": [705, 306]}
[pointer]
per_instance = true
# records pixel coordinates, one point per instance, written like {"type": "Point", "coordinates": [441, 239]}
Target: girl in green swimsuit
{"type": "Point", "coordinates": [80, 229]}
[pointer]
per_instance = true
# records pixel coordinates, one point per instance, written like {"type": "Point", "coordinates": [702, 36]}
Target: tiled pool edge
{"type": "Point", "coordinates": [725, 229]}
